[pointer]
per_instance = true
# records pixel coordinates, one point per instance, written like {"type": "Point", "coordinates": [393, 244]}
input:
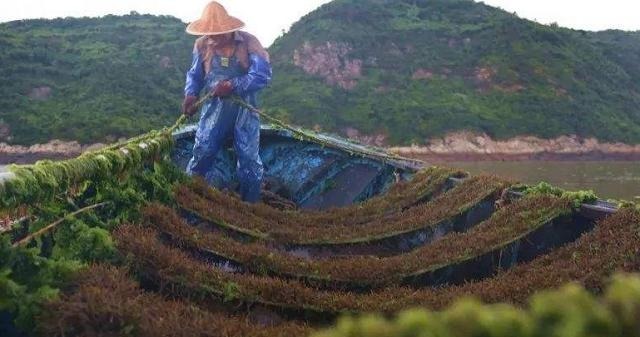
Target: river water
{"type": "Point", "coordinates": [609, 179]}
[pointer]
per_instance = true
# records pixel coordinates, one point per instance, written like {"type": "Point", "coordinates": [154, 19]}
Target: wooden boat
{"type": "Point", "coordinates": [360, 221]}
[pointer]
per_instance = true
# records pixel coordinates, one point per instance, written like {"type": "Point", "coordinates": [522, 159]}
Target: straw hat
{"type": "Point", "coordinates": [215, 21]}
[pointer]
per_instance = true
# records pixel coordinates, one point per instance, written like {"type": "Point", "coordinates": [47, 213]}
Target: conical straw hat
{"type": "Point", "coordinates": [215, 21]}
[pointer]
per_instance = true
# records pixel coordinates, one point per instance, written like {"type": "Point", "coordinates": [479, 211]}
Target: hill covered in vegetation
{"type": "Point", "coordinates": [413, 69]}
{"type": "Point", "coordinates": [90, 79]}
{"type": "Point", "coordinates": [402, 71]}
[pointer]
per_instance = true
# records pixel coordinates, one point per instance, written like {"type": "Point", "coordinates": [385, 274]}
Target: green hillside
{"type": "Point", "coordinates": [407, 70]}
{"type": "Point", "coordinates": [413, 69]}
{"type": "Point", "coordinates": [90, 79]}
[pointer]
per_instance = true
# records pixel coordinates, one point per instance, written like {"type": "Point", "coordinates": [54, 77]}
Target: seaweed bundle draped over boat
{"type": "Point", "coordinates": [462, 197]}
{"type": "Point", "coordinates": [507, 226]}
{"type": "Point", "coordinates": [425, 185]}
{"type": "Point", "coordinates": [107, 301]}
{"type": "Point", "coordinates": [65, 211]}
{"type": "Point", "coordinates": [42, 181]}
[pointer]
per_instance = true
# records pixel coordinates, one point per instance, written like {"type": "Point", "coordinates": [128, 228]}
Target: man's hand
{"type": "Point", "coordinates": [223, 89]}
{"type": "Point", "coordinates": [188, 105]}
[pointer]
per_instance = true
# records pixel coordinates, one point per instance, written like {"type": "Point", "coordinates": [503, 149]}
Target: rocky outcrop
{"type": "Point", "coordinates": [375, 139]}
{"type": "Point", "coordinates": [512, 88]}
{"type": "Point", "coordinates": [165, 62]}
{"type": "Point", "coordinates": [422, 74]}
{"type": "Point", "coordinates": [40, 93]}
{"type": "Point", "coordinates": [331, 62]}
{"type": "Point", "coordinates": [5, 131]}
{"type": "Point", "coordinates": [473, 146]}
{"type": "Point", "coordinates": [483, 78]}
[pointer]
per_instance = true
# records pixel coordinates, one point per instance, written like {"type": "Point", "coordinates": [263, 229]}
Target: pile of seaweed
{"type": "Point", "coordinates": [121, 243]}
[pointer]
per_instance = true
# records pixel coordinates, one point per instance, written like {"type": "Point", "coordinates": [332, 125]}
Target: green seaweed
{"type": "Point", "coordinates": [126, 177]}
{"type": "Point", "coordinates": [578, 197]}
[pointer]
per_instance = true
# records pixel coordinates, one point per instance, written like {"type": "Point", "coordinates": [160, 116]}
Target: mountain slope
{"type": "Point", "coordinates": [408, 70]}
{"type": "Point", "coordinates": [90, 79]}
{"type": "Point", "coordinates": [402, 71]}
{"type": "Point", "coordinates": [621, 47]}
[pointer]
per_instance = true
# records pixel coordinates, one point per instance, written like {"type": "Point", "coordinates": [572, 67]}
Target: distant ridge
{"type": "Point", "coordinates": [410, 70]}
{"type": "Point", "coordinates": [397, 72]}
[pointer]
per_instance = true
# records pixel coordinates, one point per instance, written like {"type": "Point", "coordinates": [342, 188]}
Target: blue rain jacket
{"type": "Point", "coordinates": [249, 71]}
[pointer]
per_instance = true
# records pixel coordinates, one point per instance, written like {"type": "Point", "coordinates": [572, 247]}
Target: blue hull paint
{"type": "Point", "coordinates": [313, 176]}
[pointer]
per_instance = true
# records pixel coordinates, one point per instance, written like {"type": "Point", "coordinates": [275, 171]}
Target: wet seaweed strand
{"type": "Point", "coordinates": [425, 185]}
{"type": "Point", "coordinates": [180, 275]}
{"type": "Point", "coordinates": [504, 227]}
{"type": "Point", "coordinates": [569, 311]}
{"type": "Point", "coordinates": [471, 192]}
{"type": "Point", "coordinates": [39, 182]}
{"type": "Point", "coordinates": [461, 198]}
{"type": "Point", "coordinates": [105, 301]}
{"type": "Point", "coordinates": [613, 246]}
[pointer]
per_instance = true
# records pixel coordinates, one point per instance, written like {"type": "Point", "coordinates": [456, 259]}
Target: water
{"type": "Point", "coordinates": [610, 180]}
{"type": "Point", "coordinates": [3, 168]}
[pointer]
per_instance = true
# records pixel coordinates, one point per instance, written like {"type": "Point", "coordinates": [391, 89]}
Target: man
{"type": "Point", "coordinates": [226, 61]}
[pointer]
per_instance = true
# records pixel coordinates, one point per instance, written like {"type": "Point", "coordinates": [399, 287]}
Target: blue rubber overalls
{"type": "Point", "coordinates": [221, 119]}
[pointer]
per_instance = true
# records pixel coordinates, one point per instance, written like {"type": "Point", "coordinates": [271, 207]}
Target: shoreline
{"type": "Point", "coordinates": [30, 157]}
{"type": "Point", "coordinates": [455, 147]}
{"type": "Point", "coordinates": [519, 157]}
{"type": "Point", "coordinates": [469, 146]}
{"type": "Point", "coordinates": [53, 150]}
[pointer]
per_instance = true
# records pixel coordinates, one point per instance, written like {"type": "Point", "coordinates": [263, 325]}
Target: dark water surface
{"type": "Point", "coordinates": [609, 179]}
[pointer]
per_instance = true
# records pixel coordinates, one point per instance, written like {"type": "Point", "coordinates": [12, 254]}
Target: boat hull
{"type": "Point", "coordinates": [312, 175]}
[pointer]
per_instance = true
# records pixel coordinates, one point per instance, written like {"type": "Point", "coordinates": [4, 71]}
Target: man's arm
{"type": "Point", "coordinates": [195, 75]}
{"type": "Point", "coordinates": [194, 83]}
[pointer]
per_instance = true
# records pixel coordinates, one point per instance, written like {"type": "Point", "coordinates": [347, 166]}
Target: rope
{"type": "Point", "coordinates": [178, 123]}
{"type": "Point", "coordinates": [308, 136]}
{"type": "Point", "coordinates": [301, 133]}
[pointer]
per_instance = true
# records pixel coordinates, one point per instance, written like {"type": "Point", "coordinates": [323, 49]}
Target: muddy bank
{"type": "Point", "coordinates": [544, 156]}
{"type": "Point", "coordinates": [456, 147]}
{"type": "Point", "coordinates": [55, 150]}
{"type": "Point", "coordinates": [466, 146]}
